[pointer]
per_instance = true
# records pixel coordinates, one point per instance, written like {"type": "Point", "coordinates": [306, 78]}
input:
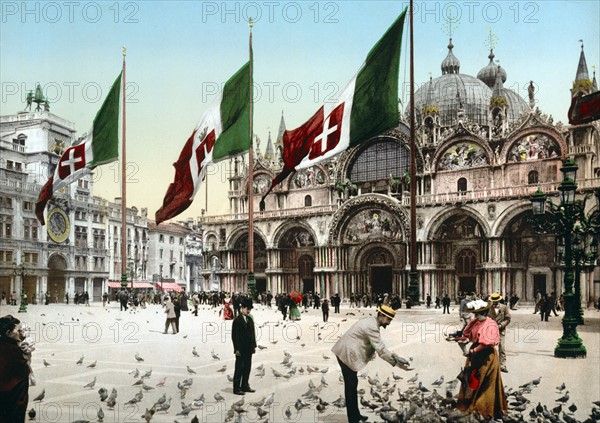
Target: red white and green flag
{"type": "Point", "coordinates": [99, 146]}
{"type": "Point", "coordinates": [223, 132]}
{"type": "Point", "coordinates": [368, 106]}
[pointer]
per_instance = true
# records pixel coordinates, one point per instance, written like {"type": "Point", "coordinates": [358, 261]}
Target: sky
{"type": "Point", "coordinates": [180, 53]}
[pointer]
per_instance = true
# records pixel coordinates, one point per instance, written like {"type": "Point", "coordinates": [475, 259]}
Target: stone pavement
{"type": "Point", "coordinates": [112, 338]}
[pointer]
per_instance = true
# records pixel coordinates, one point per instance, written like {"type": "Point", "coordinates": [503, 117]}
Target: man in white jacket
{"type": "Point", "coordinates": [356, 348]}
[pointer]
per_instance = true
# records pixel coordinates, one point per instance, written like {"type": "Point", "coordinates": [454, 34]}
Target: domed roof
{"type": "Point", "coordinates": [450, 92]}
{"type": "Point", "coordinates": [488, 73]}
{"type": "Point", "coordinates": [516, 105]}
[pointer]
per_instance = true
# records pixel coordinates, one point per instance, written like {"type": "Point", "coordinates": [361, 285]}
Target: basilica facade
{"type": "Point", "coordinates": [343, 226]}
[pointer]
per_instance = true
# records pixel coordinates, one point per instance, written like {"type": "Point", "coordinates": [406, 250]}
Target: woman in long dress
{"type": "Point", "coordinates": [227, 309]}
{"type": "Point", "coordinates": [294, 310]}
{"type": "Point", "coordinates": [481, 390]}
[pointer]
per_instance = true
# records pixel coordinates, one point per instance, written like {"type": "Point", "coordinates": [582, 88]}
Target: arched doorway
{"type": "Point", "coordinates": [380, 265]}
{"type": "Point", "coordinates": [57, 267]}
{"type": "Point", "coordinates": [466, 265]}
{"type": "Point", "coordinates": [306, 265]}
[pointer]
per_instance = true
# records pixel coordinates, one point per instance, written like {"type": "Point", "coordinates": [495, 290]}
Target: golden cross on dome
{"type": "Point", "coordinates": [492, 39]}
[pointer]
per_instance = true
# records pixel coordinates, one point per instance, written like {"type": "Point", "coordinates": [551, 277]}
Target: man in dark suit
{"type": "Point", "coordinates": [244, 345]}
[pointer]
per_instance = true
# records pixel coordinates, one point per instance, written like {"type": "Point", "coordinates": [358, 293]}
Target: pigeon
{"type": "Point", "coordinates": [564, 398]}
{"type": "Point", "coordinates": [147, 374]}
{"type": "Point", "coordinates": [557, 409]}
{"type": "Point", "coordinates": [136, 373]}
{"type": "Point", "coordinates": [138, 358]}
{"type": "Point", "coordinates": [194, 352]}
{"type": "Point", "coordinates": [222, 369]}
{"type": "Point", "coordinates": [185, 411]}
{"type": "Point", "coordinates": [111, 402]}
{"type": "Point", "coordinates": [91, 384]}
{"type": "Point", "coordinates": [190, 370]}
{"type": "Point", "coordinates": [261, 373]}
{"type": "Point", "coordinates": [138, 382]}
{"type": "Point", "coordinates": [103, 394]}
{"type": "Point", "coordinates": [41, 396]}
{"type": "Point", "coordinates": [161, 400]}
{"type": "Point", "coordinates": [214, 355]}
{"type": "Point", "coordinates": [148, 414]}
{"type": "Point", "coordinates": [218, 397]}
{"type": "Point", "coordinates": [93, 364]}
{"type": "Point", "coordinates": [269, 400]}
{"type": "Point", "coordinates": [100, 415]}
{"type": "Point", "coordinates": [147, 387]}
{"type": "Point", "coordinates": [31, 413]}
{"type": "Point", "coordinates": [413, 379]}
{"type": "Point", "coordinates": [288, 413]}
{"type": "Point", "coordinates": [46, 364]}
{"type": "Point", "coordinates": [561, 387]}
{"type": "Point", "coordinates": [80, 361]}
{"type": "Point", "coordinates": [573, 408]}
{"type": "Point", "coordinates": [439, 381]}
{"type": "Point", "coordinates": [162, 381]}
{"type": "Point", "coordinates": [261, 413]}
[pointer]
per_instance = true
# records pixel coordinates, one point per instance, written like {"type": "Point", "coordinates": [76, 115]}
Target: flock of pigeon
{"type": "Point", "coordinates": [393, 399]}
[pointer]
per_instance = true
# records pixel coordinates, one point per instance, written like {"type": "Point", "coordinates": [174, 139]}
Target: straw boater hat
{"type": "Point", "coordinates": [495, 297]}
{"type": "Point", "coordinates": [387, 311]}
{"type": "Point", "coordinates": [478, 306]}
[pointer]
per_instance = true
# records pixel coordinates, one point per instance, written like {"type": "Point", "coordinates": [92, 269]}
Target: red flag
{"type": "Point", "coordinates": [584, 109]}
{"type": "Point", "coordinates": [189, 170]}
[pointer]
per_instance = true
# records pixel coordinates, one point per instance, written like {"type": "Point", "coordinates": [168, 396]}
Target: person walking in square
{"type": "Point", "coordinates": [501, 314]}
{"type": "Point", "coordinates": [244, 346]}
{"type": "Point", "coordinates": [325, 309]}
{"type": "Point", "coordinates": [428, 300]}
{"type": "Point", "coordinates": [356, 348]}
{"type": "Point", "coordinates": [336, 303]}
{"type": "Point", "coordinates": [170, 311]}
{"type": "Point", "coordinates": [446, 304]}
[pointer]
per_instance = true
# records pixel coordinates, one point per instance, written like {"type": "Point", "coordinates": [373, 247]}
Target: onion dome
{"type": "Point", "coordinates": [488, 73]}
{"type": "Point", "coordinates": [450, 65]}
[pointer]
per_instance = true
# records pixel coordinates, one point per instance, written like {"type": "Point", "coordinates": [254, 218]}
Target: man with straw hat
{"type": "Point", "coordinates": [356, 348]}
{"type": "Point", "coordinates": [501, 314]}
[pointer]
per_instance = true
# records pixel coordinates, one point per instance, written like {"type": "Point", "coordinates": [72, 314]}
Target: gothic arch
{"type": "Point", "coordinates": [353, 207]}
{"type": "Point", "coordinates": [239, 233]}
{"type": "Point", "coordinates": [57, 262]}
{"type": "Point", "coordinates": [506, 217]}
{"type": "Point", "coordinates": [397, 135]}
{"type": "Point", "coordinates": [460, 136]}
{"type": "Point", "coordinates": [437, 221]}
{"type": "Point", "coordinates": [284, 229]}
{"type": "Point", "coordinates": [367, 250]}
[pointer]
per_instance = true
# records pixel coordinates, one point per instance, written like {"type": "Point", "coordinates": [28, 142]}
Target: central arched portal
{"type": "Point", "coordinates": [466, 265]}
{"type": "Point", "coordinates": [379, 264]}
{"type": "Point", "coordinates": [57, 267]}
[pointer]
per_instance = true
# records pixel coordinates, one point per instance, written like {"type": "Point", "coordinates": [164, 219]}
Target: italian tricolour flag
{"type": "Point", "coordinates": [99, 146]}
{"type": "Point", "coordinates": [368, 106]}
{"type": "Point", "coordinates": [223, 132]}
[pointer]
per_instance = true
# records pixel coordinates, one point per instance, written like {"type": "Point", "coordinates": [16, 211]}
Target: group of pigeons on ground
{"type": "Point", "coordinates": [385, 400]}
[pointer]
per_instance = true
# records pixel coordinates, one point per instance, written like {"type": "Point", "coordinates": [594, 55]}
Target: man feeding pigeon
{"type": "Point", "coordinates": [356, 348]}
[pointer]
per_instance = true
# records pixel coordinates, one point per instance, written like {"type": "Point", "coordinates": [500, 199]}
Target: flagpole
{"type": "Point", "coordinates": [124, 188]}
{"type": "Point", "coordinates": [251, 280]}
{"type": "Point", "coordinates": [413, 283]}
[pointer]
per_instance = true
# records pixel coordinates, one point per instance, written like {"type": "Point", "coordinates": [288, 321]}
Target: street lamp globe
{"type": "Point", "coordinates": [569, 169]}
{"type": "Point", "coordinates": [538, 201]}
{"type": "Point", "coordinates": [567, 191]}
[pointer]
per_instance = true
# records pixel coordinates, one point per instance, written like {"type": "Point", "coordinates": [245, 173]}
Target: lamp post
{"type": "Point", "coordinates": [22, 271]}
{"type": "Point", "coordinates": [572, 227]}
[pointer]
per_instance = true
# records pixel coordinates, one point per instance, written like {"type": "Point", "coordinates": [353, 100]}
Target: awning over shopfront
{"type": "Point", "coordinates": [144, 285]}
{"type": "Point", "coordinates": [169, 286]}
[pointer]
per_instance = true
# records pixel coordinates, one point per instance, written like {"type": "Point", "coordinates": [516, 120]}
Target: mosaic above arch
{"type": "Point", "coordinates": [308, 178]}
{"type": "Point", "coordinates": [372, 224]}
{"type": "Point", "coordinates": [533, 147]}
{"type": "Point", "coordinates": [261, 183]}
{"type": "Point", "coordinates": [461, 155]}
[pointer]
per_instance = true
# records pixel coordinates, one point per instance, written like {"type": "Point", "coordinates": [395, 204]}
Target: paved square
{"type": "Point", "coordinates": [112, 338]}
